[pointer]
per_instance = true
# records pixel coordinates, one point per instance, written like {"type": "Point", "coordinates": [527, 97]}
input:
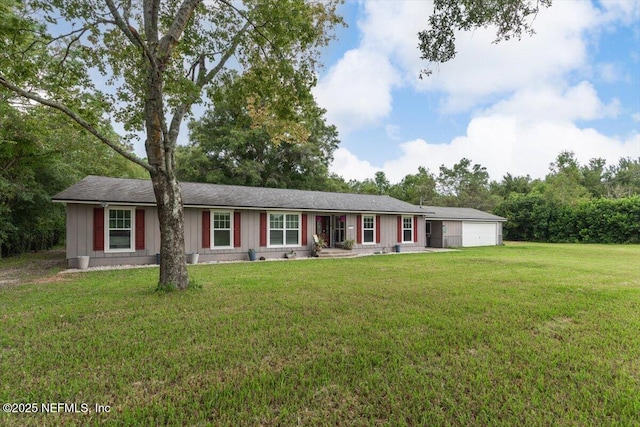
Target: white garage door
{"type": "Point", "coordinates": [479, 234]}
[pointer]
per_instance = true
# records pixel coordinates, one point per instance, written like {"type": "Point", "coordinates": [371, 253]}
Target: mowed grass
{"type": "Point", "coordinates": [525, 334]}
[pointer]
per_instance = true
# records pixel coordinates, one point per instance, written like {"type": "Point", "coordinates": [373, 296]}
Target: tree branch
{"type": "Point", "coordinates": [150, 19]}
{"type": "Point", "coordinates": [76, 118]}
{"type": "Point", "coordinates": [6, 168]}
{"type": "Point", "coordinates": [68, 48]}
{"type": "Point", "coordinates": [170, 40]}
{"type": "Point", "coordinates": [255, 26]}
{"type": "Point", "coordinates": [204, 79]}
{"type": "Point", "coordinates": [199, 64]}
{"type": "Point", "coordinates": [130, 32]}
{"type": "Point", "coordinates": [39, 40]}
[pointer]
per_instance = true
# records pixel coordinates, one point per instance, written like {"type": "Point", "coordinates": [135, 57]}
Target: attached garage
{"type": "Point", "coordinates": [461, 227]}
{"type": "Point", "coordinates": [479, 233]}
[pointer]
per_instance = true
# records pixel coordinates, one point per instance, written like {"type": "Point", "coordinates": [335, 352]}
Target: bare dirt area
{"type": "Point", "coordinates": [39, 267]}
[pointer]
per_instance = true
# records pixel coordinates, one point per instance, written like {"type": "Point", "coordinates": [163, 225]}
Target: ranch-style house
{"type": "Point", "coordinates": [114, 221]}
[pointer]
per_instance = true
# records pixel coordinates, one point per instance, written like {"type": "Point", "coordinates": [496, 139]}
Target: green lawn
{"type": "Point", "coordinates": [525, 334]}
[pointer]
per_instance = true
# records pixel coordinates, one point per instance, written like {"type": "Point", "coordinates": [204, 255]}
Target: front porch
{"type": "Point", "coordinates": [331, 228]}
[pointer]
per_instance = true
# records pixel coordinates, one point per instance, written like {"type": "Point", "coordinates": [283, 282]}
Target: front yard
{"type": "Point", "coordinates": [525, 334]}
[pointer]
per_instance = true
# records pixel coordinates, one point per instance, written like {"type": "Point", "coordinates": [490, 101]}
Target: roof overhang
{"type": "Point", "coordinates": [106, 203]}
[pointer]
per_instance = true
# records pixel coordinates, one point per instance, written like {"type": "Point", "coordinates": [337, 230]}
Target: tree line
{"type": "Point", "coordinates": [592, 203]}
{"type": "Point", "coordinates": [41, 154]}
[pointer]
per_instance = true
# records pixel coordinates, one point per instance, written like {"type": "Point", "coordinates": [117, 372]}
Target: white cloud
{"type": "Point", "coordinates": [626, 11]}
{"type": "Point", "coordinates": [482, 69]}
{"type": "Point", "coordinates": [504, 144]}
{"type": "Point", "coordinates": [580, 102]}
{"type": "Point", "coordinates": [357, 90]}
{"type": "Point", "coordinates": [393, 132]}
{"type": "Point", "coordinates": [611, 73]}
{"type": "Point", "coordinates": [348, 166]}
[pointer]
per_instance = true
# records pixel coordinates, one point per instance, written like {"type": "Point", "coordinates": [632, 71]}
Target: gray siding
{"type": "Point", "coordinates": [192, 230]}
{"type": "Point", "coordinates": [249, 239]}
{"type": "Point", "coordinates": [388, 234]}
{"type": "Point", "coordinates": [80, 237]}
{"type": "Point", "coordinates": [451, 234]}
{"type": "Point", "coordinates": [151, 231]}
{"type": "Point", "coordinates": [250, 230]}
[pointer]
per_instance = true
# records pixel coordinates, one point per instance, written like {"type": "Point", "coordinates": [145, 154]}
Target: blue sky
{"type": "Point", "coordinates": [512, 107]}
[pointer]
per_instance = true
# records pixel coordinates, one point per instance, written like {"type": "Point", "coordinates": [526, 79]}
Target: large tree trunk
{"type": "Point", "coordinates": [173, 263]}
{"type": "Point", "coordinates": [160, 152]}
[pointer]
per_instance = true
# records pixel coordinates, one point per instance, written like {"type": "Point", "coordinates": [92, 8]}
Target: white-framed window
{"type": "Point", "coordinates": [368, 229]}
{"type": "Point", "coordinates": [407, 229]}
{"type": "Point", "coordinates": [221, 230]}
{"type": "Point", "coordinates": [119, 230]}
{"type": "Point", "coordinates": [284, 229]}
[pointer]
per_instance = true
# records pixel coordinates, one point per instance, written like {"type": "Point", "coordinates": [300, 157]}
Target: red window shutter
{"type": "Point", "coordinates": [304, 229]}
{"type": "Point", "coordinates": [236, 230]}
{"type": "Point", "coordinates": [98, 229]}
{"type": "Point", "coordinates": [377, 228]}
{"type": "Point", "coordinates": [206, 229]}
{"type": "Point", "coordinates": [139, 229]}
{"type": "Point", "coordinates": [415, 229]}
{"type": "Point", "coordinates": [359, 228]}
{"type": "Point", "coordinates": [399, 229]}
{"type": "Point", "coordinates": [263, 229]}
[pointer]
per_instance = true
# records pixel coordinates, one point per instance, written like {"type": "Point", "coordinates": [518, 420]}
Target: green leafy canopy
{"type": "Point", "coordinates": [95, 55]}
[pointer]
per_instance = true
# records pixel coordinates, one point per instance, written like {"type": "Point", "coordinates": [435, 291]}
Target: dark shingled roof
{"type": "Point", "coordinates": [445, 213]}
{"type": "Point", "coordinates": [99, 189]}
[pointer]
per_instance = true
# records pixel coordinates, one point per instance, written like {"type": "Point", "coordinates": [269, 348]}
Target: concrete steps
{"type": "Point", "coordinates": [336, 253]}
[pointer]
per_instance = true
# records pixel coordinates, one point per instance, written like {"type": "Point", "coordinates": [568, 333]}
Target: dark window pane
{"type": "Point", "coordinates": [221, 238]}
{"type": "Point", "coordinates": [119, 239]}
{"type": "Point", "coordinates": [368, 236]}
{"type": "Point", "coordinates": [292, 237]}
{"type": "Point", "coordinates": [276, 237]}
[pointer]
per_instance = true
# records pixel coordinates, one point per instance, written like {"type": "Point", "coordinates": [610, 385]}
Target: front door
{"type": "Point", "coordinates": [323, 228]}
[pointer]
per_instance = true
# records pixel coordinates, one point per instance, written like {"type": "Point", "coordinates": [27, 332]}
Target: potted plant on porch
{"type": "Point", "coordinates": [318, 244]}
